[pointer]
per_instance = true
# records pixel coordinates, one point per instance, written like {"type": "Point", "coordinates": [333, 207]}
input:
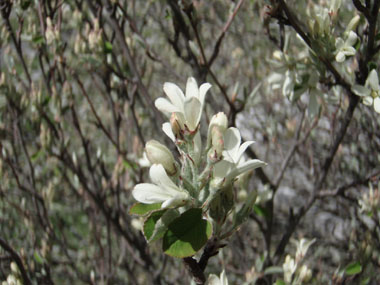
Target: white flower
{"type": "Point", "coordinates": [51, 32]}
{"type": "Point", "coordinates": [370, 91]}
{"type": "Point", "coordinates": [215, 280]}
{"type": "Point", "coordinates": [302, 248]}
{"type": "Point", "coordinates": [163, 190]}
{"type": "Point", "coordinates": [345, 48]}
{"type": "Point", "coordinates": [370, 202]}
{"type": "Point", "coordinates": [188, 109]}
{"type": "Point", "coordinates": [233, 163]}
{"type": "Point", "coordinates": [289, 268]}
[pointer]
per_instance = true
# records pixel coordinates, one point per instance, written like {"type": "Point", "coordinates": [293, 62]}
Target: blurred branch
{"type": "Point", "coordinates": [340, 191]}
{"type": "Point", "coordinates": [110, 18]}
{"type": "Point", "coordinates": [16, 259]}
{"type": "Point", "coordinates": [6, 9]}
{"type": "Point", "coordinates": [223, 33]}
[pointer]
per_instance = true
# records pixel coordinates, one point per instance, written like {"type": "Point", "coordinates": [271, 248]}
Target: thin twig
{"type": "Point", "coordinates": [16, 259]}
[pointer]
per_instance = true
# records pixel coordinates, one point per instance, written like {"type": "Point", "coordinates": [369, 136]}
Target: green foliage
{"type": "Point", "coordinates": [187, 234]}
{"type": "Point", "coordinates": [78, 82]}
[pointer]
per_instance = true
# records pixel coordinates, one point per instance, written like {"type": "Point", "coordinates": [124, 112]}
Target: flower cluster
{"type": "Point", "coordinates": [190, 198]}
{"type": "Point", "coordinates": [222, 159]}
{"type": "Point", "coordinates": [294, 272]}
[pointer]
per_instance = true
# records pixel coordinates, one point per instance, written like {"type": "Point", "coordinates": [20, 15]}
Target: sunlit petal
{"type": "Point", "coordinates": [373, 80]}
{"type": "Point", "coordinates": [148, 193]}
{"type": "Point", "coordinates": [175, 94]}
{"type": "Point", "coordinates": [376, 104]}
{"type": "Point", "coordinates": [193, 112]}
{"type": "Point", "coordinates": [192, 88]}
{"type": "Point", "coordinates": [166, 127]}
{"type": "Point", "coordinates": [164, 105]}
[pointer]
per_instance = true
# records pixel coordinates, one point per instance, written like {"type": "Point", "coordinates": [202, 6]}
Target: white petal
{"type": "Point", "coordinates": [244, 167]}
{"type": "Point", "coordinates": [193, 112]}
{"type": "Point", "coordinates": [165, 106]}
{"type": "Point", "coordinates": [148, 193]}
{"type": "Point", "coordinates": [202, 92]}
{"type": "Point", "coordinates": [220, 172]}
{"type": "Point", "coordinates": [213, 280]}
{"type": "Point", "coordinates": [275, 78]}
{"type": "Point", "coordinates": [158, 176]}
{"type": "Point", "coordinates": [352, 38]}
{"type": "Point", "coordinates": [373, 80]}
{"type": "Point", "coordinates": [361, 90]}
{"type": "Point", "coordinates": [368, 101]}
{"type": "Point", "coordinates": [178, 200]}
{"type": "Point", "coordinates": [340, 57]}
{"type": "Point", "coordinates": [349, 51]}
{"type": "Point", "coordinates": [288, 87]}
{"type": "Point", "coordinates": [166, 127]}
{"type": "Point", "coordinates": [242, 149]}
{"type": "Point", "coordinates": [192, 88]}
{"type": "Point", "coordinates": [232, 141]}
{"type": "Point", "coordinates": [222, 168]}
{"type": "Point", "coordinates": [376, 104]}
{"type": "Point", "coordinates": [175, 94]}
{"type": "Point", "coordinates": [223, 278]}
{"type": "Point", "coordinates": [339, 43]}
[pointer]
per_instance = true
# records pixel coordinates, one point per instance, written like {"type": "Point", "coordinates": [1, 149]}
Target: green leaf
{"type": "Point", "coordinates": [260, 211]}
{"type": "Point", "coordinates": [371, 65]}
{"type": "Point", "coordinates": [353, 268]}
{"type": "Point", "coordinates": [39, 39]}
{"type": "Point", "coordinates": [38, 258]}
{"type": "Point", "coordinates": [365, 281]}
{"type": "Point", "coordinates": [107, 47]}
{"type": "Point", "coordinates": [187, 234]}
{"type": "Point", "coordinates": [273, 270]}
{"type": "Point", "coordinates": [150, 223]}
{"type": "Point", "coordinates": [161, 225]}
{"type": "Point", "coordinates": [25, 4]}
{"type": "Point", "coordinates": [279, 282]}
{"type": "Point", "coordinates": [36, 155]}
{"type": "Point", "coordinates": [143, 209]}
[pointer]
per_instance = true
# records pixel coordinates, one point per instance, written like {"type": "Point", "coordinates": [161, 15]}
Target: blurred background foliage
{"type": "Point", "coordinates": [77, 86]}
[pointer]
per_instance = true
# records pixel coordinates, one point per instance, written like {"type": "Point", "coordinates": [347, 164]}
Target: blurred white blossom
{"type": "Point", "coordinates": [370, 92]}
{"type": "Point", "coordinates": [344, 48]}
{"type": "Point", "coordinates": [215, 280]}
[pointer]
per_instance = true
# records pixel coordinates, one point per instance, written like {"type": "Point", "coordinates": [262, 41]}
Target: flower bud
{"type": "Point", "coordinates": [216, 129]}
{"type": "Point", "coordinates": [220, 120]}
{"type": "Point", "coordinates": [353, 24]}
{"type": "Point", "coordinates": [217, 142]}
{"type": "Point", "coordinates": [305, 274]}
{"type": "Point", "coordinates": [157, 153]}
{"type": "Point", "coordinates": [14, 268]}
